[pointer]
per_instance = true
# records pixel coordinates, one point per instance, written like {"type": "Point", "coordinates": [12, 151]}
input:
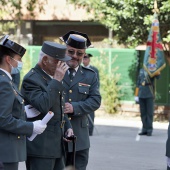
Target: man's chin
{"type": "Point", "coordinates": [72, 64]}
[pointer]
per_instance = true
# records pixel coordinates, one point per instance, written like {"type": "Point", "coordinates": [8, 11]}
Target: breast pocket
{"type": "Point", "coordinates": [84, 90]}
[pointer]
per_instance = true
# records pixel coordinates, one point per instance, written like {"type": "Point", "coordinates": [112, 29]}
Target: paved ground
{"type": "Point", "coordinates": [116, 146]}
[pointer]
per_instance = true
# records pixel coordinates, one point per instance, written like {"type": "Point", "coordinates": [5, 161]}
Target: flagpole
{"type": "Point", "coordinates": [155, 10]}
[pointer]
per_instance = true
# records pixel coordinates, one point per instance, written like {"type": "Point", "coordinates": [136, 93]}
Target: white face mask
{"type": "Point", "coordinates": [15, 70]}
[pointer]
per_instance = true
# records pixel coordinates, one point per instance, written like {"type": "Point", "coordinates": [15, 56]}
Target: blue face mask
{"type": "Point", "coordinates": [15, 70]}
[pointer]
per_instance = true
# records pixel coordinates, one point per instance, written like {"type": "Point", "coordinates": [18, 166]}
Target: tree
{"type": "Point", "coordinates": [130, 20]}
{"type": "Point", "coordinates": [14, 11]}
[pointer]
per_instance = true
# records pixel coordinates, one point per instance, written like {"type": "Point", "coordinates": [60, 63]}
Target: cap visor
{"type": "Point", "coordinates": [66, 58]}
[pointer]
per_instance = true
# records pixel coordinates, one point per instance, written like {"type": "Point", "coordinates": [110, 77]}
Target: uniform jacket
{"type": "Point", "coordinates": [45, 94]}
{"type": "Point", "coordinates": [13, 128]}
{"type": "Point", "coordinates": [168, 143]}
{"type": "Point", "coordinates": [145, 85]}
{"type": "Point", "coordinates": [83, 94]}
{"type": "Point", "coordinates": [96, 71]}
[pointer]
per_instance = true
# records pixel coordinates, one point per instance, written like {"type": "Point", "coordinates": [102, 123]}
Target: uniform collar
{"type": "Point", "coordinates": [8, 74]}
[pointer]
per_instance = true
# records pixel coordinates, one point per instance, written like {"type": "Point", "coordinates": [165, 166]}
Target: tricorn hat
{"type": "Point", "coordinates": [77, 40]}
{"type": "Point", "coordinates": [18, 49]}
{"type": "Point", "coordinates": [88, 55]}
{"type": "Point", "coordinates": [55, 50]}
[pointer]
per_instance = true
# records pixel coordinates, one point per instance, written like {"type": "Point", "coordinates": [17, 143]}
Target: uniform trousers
{"type": "Point", "coordinates": [11, 166]}
{"type": "Point", "coordinates": [81, 159]}
{"type": "Point", "coordinates": [37, 163]}
{"type": "Point", "coordinates": [146, 110]}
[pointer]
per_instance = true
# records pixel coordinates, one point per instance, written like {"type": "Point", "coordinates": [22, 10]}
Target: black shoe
{"type": "Point", "coordinates": [142, 133]}
{"type": "Point", "coordinates": [149, 134]}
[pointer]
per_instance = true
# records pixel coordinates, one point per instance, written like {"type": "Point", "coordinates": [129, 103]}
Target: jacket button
{"type": "Point", "coordinates": [70, 91]}
{"type": "Point", "coordinates": [69, 118]}
{"type": "Point", "coordinates": [18, 137]}
{"type": "Point", "coordinates": [69, 100]}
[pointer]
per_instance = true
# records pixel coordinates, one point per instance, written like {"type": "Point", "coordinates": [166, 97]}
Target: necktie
{"type": "Point", "coordinates": [71, 75]}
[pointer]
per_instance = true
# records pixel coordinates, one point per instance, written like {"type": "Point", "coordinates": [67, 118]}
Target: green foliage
{"type": "Point", "coordinates": [13, 10]}
{"type": "Point", "coordinates": [109, 88]}
{"type": "Point", "coordinates": [5, 27]}
{"type": "Point", "coordinates": [130, 20]}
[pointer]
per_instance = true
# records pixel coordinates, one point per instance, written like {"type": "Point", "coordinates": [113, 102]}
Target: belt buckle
{"type": "Point", "coordinates": [62, 124]}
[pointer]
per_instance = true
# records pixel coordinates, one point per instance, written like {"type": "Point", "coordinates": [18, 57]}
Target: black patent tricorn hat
{"type": "Point", "coordinates": [88, 55]}
{"type": "Point", "coordinates": [77, 40]}
{"type": "Point", "coordinates": [18, 49]}
{"type": "Point", "coordinates": [55, 50]}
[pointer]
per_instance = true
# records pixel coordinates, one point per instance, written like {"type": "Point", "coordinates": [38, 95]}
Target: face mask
{"type": "Point", "coordinates": [15, 70]}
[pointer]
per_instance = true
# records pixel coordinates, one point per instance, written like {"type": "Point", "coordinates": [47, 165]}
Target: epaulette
{"type": "Point", "coordinates": [88, 69]}
{"type": "Point", "coordinates": [30, 73]}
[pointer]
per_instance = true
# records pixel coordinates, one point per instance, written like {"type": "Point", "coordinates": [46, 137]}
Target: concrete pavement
{"type": "Point", "coordinates": [116, 146]}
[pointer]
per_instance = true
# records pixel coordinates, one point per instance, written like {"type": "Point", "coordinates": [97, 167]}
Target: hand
{"type": "Point", "coordinates": [38, 127]}
{"type": "Point", "coordinates": [68, 108]}
{"type": "Point", "coordinates": [68, 133]}
{"type": "Point", "coordinates": [136, 98]}
{"type": "Point", "coordinates": [60, 71]}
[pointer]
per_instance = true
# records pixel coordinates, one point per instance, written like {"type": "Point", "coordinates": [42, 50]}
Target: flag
{"type": "Point", "coordinates": [154, 60]}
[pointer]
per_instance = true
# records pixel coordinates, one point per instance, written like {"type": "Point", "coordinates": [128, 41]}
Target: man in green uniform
{"type": "Point", "coordinates": [146, 101]}
{"type": "Point", "coordinates": [13, 127]}
{"type": "Point", "coordinates": [86, 63]}
{"type": "Point", "coordinates": [42, 88]}
{"type": "Point", "coordinates": [82, 96]}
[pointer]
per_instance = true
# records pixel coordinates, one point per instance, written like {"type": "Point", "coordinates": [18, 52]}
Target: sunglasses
{"type": "Point", "coordinates": [72, 52]}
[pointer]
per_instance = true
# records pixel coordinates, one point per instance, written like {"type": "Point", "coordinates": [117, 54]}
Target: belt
{"type": "Point", "coordinates": [146, 84]}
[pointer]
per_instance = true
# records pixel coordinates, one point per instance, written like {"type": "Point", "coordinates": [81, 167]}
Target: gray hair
{"type": "Point", "coordinates": [41, 55]}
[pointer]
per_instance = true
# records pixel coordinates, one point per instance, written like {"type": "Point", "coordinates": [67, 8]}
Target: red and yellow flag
{"type": "Point", "coordinates": [154, 60]}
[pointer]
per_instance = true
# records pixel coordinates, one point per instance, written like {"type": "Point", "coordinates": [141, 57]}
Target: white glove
{"type": "Point", "coordinates": [136, 99]}
{"type": "Point", "coordinates": [38, 127]}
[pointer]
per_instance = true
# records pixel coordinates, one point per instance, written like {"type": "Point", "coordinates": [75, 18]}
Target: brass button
{"type": "Point", "coordinates": [18, 137]}
{"type": "Point", "coordinates": [62, 97]}
{"type": "Point", "coordinates": [59, 92]}
{"type": "Point", "coordinates": [69, 100]}
{"type": "Point", "coordinates": [70, 91]}
{"type": "Point", "coordinates": [69, 118]}
{"type": "Point", "coordinates": [85, 92]}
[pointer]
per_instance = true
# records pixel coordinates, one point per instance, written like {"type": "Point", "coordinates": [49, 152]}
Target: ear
{"type": "Point", "coordinates": [7, 58]}
{"type": "Point", "coordinates": [45, 60]}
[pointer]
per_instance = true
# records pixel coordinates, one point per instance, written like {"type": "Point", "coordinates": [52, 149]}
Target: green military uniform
{"type": "Point", "coordinates": [83, 94]}
{"type": "Point", "coordinates": [45, 94]}
{"type": "Point", "coordinates": [13, 127]}
{"type": "Point", "coordinates": [168, 146]}
{"type": "Point", "coordinates": [146, 101]}
{"type": "Point", "coordinates": [92, 114]}
{"type": "Point", "coordinates": [16, 79]}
